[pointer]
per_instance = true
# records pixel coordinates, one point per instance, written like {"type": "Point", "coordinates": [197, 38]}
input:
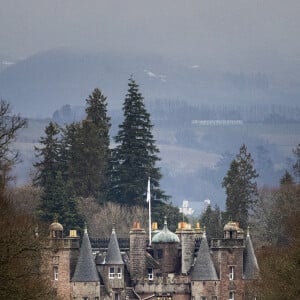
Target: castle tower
{"type": "Point", "coordinates": [60, 255]}
{"type": "Point", "coordinates": [165, 245]}
{"type": "Point", "coordinates": [112, 269]}
{"type": "Point", "coordinates": [205, 282]}
{"type": "Point", "coordinates": [228, 258]}
{"type": "Point", "coordinates": [137, 252]}
{"type": "Point", "coordinates": [85, 282]}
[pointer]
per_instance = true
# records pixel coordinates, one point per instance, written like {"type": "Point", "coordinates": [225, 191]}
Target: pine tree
{"type": "Point", "coordinates": [57, 198]}
{"type": "Point", "coordinates": [241, 187]}
{"type": "Point", "coordinates": [49, 153]}
{"type": "Point", "coordinates": [135, 156]}
{"type": "Point", "coordinates": [87, 150]}
{"type": "Point", "coordinates": [212, 220]}
{"type": "Point", "coordinates": [286, 179]}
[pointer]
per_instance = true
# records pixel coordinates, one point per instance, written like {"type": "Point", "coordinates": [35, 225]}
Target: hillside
{"type": "Point", "coordinates": [40, 84]}
{"type": "Point", "coordinates": [195, 157]}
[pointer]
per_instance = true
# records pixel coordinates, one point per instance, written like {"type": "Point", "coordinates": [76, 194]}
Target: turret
{"type": "Point", "coordinates": [204, 277]}
{"type": "Point", "coordinates": [86, 281]}
{"type": "Point", "coordinates": [251, 269]}
{"type": "Point", "coordinates": [165, 245]}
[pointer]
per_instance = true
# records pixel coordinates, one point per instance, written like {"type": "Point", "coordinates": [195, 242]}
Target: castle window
{"type": "Point", "coordinates": [231, 273]}
{"type": "Point", "coordinates": [117, 297]}
{"type": "Point", "coordinates": [150, 274]}
{"type": "Point", "coordinates": [119, 273]}
{"type": "Point", "coordinates": [55, 273]}
{"type": "Point", "coordinates": [231, 295]}
{"type": "Point", "coordinates": [160, 253]}
{"type": "Point", "coordinates": [111, 273]}
{"type": "Point", "coordinates": [203, 298]}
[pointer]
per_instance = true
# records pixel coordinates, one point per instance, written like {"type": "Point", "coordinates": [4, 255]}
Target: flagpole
{"type": "Point", "coordinates": [149, 203]}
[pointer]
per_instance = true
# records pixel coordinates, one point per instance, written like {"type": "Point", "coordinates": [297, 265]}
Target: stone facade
{"type": "Point", "coordinates": [60, 258]}
{"type": "Point", "coordinates": [175, 266]}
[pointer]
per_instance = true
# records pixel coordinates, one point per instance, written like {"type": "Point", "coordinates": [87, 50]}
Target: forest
{"type": "Point", "coordinates": [80, 177]}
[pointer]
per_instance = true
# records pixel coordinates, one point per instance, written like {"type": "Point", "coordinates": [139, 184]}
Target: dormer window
{"type": "Point", "coordinates": [231, 273]}
{"type": "Point", "coordinates": [119, 272]}
{"type": "Point", "coordinates": [150, 274]}
{"type": "Point", "coordinates": [111, 274]}
{"type": "Point", "coordinates": [115, 272]}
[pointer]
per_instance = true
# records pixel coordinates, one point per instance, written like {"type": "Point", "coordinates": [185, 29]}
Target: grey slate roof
{"type": "Point", "coordinates": [251, 269]}
{"type": "Point", "coordinates": [204, 268]}
{"type": "Point", "coordinates": [113, 256]}
{"type": "Point", "coordinates": [85, 270]}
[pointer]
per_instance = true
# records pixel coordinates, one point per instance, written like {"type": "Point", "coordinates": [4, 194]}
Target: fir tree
{"type": "Point", "coordinates": [58, 201]}
{"type": "Point", "coordinates": [57, 198]}
{"type": "Point", "coordinates": [87, 149]}
{"type": "Point", "coordinates": [135, 157]}
{"type": "Point", "coordinates": [286, 179]}
{"type": "Point", "coordinates": [241, 187]}
{"type": "Point", "coordinates": [49, 154]}
{"type": "Point", "coordinates": [212, 220]}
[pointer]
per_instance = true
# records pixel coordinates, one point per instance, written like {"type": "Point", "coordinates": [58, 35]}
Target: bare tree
{"type": "Point", "coordinates": [9, 125]}
{"type": "Point", "coordinates": [20, 256]}
{"type": "Point", "coordinates": [101, 218]}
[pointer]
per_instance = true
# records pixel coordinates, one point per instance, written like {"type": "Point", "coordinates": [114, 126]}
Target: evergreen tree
{"type": "Point", "coordinates": [85, 160]}
{"type": "Point", "coordinates": [286, 179]}
{"type": "Point", "coordinates": [87, 150]}
{"type": "Point", "coordinates": [212, 220]}
{"type": "Point", "coordinates": [49, 153]}
{"type": "Point", "coordinates": [57, 198]}
{"type": "Point", "coordinates": [58, 201]}
{"type": "Point", "coordinates": [135, 156]}
{"type": "Point", "coordinates": [241, 187]}
{"type": "Point", "coordinates": [96, 111]}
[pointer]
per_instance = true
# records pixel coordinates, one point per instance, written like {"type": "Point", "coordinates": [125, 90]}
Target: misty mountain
{"type": "Point", "coordinates": [195, 156]}
{"type": "Point", "coordinates": [44, 82]}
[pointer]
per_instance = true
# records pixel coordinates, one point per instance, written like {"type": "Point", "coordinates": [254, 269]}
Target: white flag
{"type": "Point", "coordinates": [148, 191]}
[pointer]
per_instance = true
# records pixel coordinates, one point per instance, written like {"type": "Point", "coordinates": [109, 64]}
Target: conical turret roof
{"type": "Point", "coordinates": [251, 269]}
{"type": "Point", "coordinates": [85, 270]}
{"type": "Point", "coordinates": [204, 268]}
{"type": "Point", "coordinates": [113, 256]}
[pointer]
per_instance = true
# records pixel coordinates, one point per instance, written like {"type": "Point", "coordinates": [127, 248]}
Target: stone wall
{"type": "Point", "coordinates": [85, 289]}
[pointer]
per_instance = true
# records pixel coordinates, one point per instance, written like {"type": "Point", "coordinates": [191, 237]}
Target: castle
{"type": "Point", "coordinates": [172, 266]}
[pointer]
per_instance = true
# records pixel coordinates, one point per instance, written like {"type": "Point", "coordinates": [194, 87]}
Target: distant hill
{"type": "Point", "coordinates": [42, 83]}
{"type": "Point", "coordinates": [195, 154]}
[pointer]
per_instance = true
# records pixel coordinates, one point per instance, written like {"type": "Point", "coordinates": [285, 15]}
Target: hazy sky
{"type": "Point", "coordinates": [241, 33]}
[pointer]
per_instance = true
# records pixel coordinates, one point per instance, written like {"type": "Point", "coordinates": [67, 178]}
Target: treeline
{"type": "Point", "coordinates": [76, 161]}
{"type": "Point", "coordinates": [273, 216]}
{"type": "Point", "coordinates": [172, 112]}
